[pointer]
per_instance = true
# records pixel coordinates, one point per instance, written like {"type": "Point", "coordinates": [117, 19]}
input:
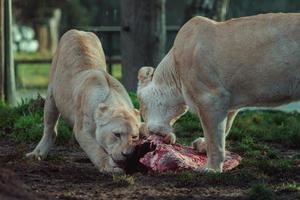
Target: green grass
{"type": "Point", "coordinates": [268, 126]}
{"type": "Point", "coordinates": [134, 100]}
{"type": "Point", "coordinates": [32, 56]}
{"type": "Point", "coordinates": [123, 180]}
{"type": "Point", "coordinates": [259, 137]}
{"type": "Point", "coordinates": [289, 187]}
{"type": "Point", "coordinates": [117, 71]}
{"type": "Point", "coordinates": [188, 128]}
{"type": "Point", "coordinates": [33, 75]}
{"type": "Point", "coordinates": [250, 130]}
{"type": "Point", "coordinates": [24, 123]}
{"type": "Point", "coordinates": [37, 75]}
{"type": "Point", "coordinates": [250, 127]}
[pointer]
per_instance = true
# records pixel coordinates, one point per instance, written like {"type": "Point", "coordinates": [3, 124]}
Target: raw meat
{"type": "Point", "coordinates": [153, 155]}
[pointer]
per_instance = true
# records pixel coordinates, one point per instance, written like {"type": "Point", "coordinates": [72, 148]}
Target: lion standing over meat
{"type": "Point", "coordinates": [91, 101]}
{"type": "Point", "coordinates": [217, 68]}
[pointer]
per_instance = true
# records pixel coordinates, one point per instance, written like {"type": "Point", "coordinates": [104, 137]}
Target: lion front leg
{"type": "Point", "coordinates": [96, 154]}
{"type": "Point", "coordinates": [214, 125]}
{"type": "Point", "coordinates": [51, 115]}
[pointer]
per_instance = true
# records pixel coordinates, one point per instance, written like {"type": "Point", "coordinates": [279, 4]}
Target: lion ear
{"type": "Point", "coordinates": [101, 113]}
{"type": "Point", "coordinates": [145, 75]}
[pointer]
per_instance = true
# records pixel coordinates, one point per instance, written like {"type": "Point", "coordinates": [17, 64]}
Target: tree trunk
{"type": "Point", "coordinates": [193, 8]}
{"type": "Point", "coordinates": [1, 50]}
{"type": "Point", "coordinates": [10, 84]}
{"type": "Point", "coordinates": [220, 9]}
{"type": "Point", "coordinates": [142, 37]}
{"type": "Point", "coordinates": [54, 23]}
{"type": "Point", "coordinates": [42, 37]}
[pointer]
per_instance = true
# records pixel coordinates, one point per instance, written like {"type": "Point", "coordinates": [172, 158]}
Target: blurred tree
{"type": "Point", "coordinates": [219, 10]}
{"type": "Point", "coordinates": [213, 9]}
{"type": "Point", "coordinates": [1, 50]}
{"type": "Point", "coordinates": [9, 70]}
{"type": "Point", "coordinates": [105, 13]}
{"type": "Point", "coordinates": [77, 13]}
{"type": "Point", "coordinates": [45, 17]}
{"type": "Point", "coordinates": [142, 37]}
{"type": "Point", "coordinates": [54, 30]}
{"type": "Point", "coordinates": [238, 8]}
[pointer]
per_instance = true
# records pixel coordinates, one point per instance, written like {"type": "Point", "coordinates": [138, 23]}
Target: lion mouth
{"type": "Point", "coordinates": [120, 163]}
{"type": "Point", "coordinates": [132, 164]}
{"type": "Point", "coordinates": [116, 161]}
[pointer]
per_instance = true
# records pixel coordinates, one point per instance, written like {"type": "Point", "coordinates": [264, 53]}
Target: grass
{"type": "Point", "coordinates": [268, 126]}
{"type": "Point", "coordinates": [33, 75]}
{"type": "Point", "coordinates": [24, 123]}
{"type": "Point", "coordinates": [250, 127]}
{"type": "Point", "coordinates": [259, 137]}
{"type": "Point", "coordinates": [250, 130]}
{"type": "Point", "coordinates": [188, 128]}
{"type": "Point", "coordinates": [134, 100]}
{"type": "Point", "coordinates": [32, 56]}
{"type": "Point", "coordinates": [123, 180]}
{"type": "Point", "coordinates": [37, 75]}
{"type": "Point", "coordinates": [117, 71]}
{"type": "Point", "coordinates": [289, 187]}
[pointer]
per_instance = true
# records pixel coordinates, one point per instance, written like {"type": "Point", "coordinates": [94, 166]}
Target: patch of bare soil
{"type": "Point", "coordinates": [11, 188]}
{"type": "Point", "coordinates": [68, 174]}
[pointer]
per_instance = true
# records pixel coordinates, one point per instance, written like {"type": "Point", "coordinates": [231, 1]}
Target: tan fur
{"type": "Point", "coordinates": [91, 101]}
{"type": "Point", "coordinates": [217, 68]}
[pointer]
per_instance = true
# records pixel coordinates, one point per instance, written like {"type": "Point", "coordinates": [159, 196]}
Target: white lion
{"type": "Point", "coordinates": [217, 68]}
{"type": "Point", "coordinates": [92, 102]}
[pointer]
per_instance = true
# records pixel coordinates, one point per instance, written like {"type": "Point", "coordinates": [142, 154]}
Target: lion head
{"type": "Point", "coordinates": [117, 130]}
{"type": "Point", "coordinates": [159, 108]}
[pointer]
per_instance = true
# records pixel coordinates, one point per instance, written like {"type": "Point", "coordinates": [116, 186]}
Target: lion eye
{"type": "Point", "coordinates": [117, 135]}
{"type": "Point", "coordinates": [135, 137]}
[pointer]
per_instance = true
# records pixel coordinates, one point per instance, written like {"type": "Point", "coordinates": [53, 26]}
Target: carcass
{"type": "Point", "coordinates": [154, 156]}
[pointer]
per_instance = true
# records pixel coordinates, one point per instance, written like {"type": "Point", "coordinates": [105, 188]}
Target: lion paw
{"type": "Point", "coordinates": [199, 145]}
{"type": "Point", "coordinates": [109, 167]}
{"type": "Point", "coordinates": [170, 138]}
{"type": "Point", "coordinates": [112, 170]}
{"type": "Point", "coordinates": [37, 154]}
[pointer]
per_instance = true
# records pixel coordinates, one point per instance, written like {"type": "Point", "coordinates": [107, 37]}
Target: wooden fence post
{"type": "Point", "coordinates": [9, 83]}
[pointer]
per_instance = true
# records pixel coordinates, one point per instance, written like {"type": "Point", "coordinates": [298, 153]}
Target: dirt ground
{"type": "Point", "coordinates": [68, 174]}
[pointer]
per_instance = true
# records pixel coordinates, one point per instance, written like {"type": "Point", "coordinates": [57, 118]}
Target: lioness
{"type": "Point", "coordinates": [217, 68]}
{"type": "Point", "coordinates": [91, 101]}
